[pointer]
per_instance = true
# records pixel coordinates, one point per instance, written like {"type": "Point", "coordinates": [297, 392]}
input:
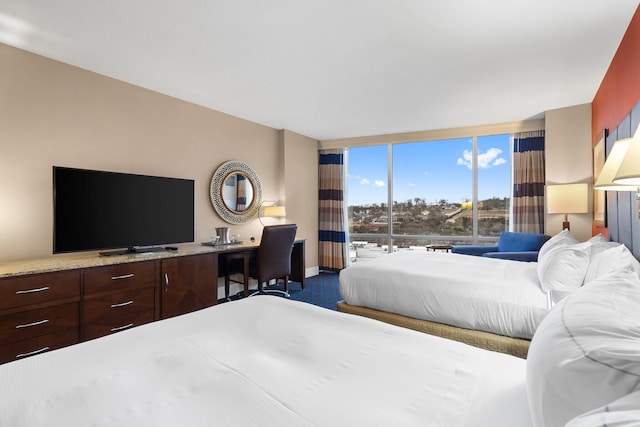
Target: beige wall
{"type": "Point", "coordinates": [436, 134]}
{"type": "Point", "coordinates": [301, 189]}
{"type": "Point", "coordinates": [568, 160]}
{"type": "Point", "coordinates": [56, 114]}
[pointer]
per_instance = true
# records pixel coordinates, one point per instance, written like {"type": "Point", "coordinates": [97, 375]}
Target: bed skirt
{"type": "Point", "coordinates": [514, 346]}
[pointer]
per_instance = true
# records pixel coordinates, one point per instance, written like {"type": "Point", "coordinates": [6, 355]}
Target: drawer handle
{"type": "Point", "coordinates": [121, 327]}
{"type": "Point", "coordinates": [122, 304]}
{"type": "Point", "coordinates": [30, 291]}
{"type": "Point", "coordinates": [124, 276]}
{"type": "Point", "coordinates": [28, 325]}
{"type": "Point", "coordinates": [31, 353]}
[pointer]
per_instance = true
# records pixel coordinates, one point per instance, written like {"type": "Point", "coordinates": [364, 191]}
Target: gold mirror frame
{"type": "Point", "coordinates": [217, 182]}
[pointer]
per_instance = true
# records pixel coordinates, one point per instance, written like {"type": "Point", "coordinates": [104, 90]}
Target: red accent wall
{"type": "Point", "coordinates": [619, 91]}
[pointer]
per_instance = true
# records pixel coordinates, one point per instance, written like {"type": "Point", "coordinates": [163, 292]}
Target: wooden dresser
{"type": "Point", "coordinates": [118, 297]}
{"type": "Point", "coordinates": [52, 303]}
{"type": "Point", "coordinates": [39, 312]}
{"type": "Point", "coordinates": [55, 302]}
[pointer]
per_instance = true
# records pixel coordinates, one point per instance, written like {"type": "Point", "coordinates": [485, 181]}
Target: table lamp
{"type": "Point", "coordinates": [628, 173]}
{"type": "Point", "coordinates": [566, 199]}
{"type": "Point", "coordinates": [275, 211]}
{"type": "Point", "coordinates": [610, 168]}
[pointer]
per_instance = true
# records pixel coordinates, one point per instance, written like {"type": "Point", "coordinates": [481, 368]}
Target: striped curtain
{"type": "Point", "coordinates": [528, 182]}
{"type": "Point", "coordinates": [332, 250]}
{"type": "Point", "coordinates": [241, 196]}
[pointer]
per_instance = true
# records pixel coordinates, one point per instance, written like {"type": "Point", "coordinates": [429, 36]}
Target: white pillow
{"type": "Point", "coordinates": [608, 260]}
{"type": "Point", "coordinates": [563, 238]}
{"type": "Point", "coordinates": [564, 267]}
{"type": "Point", "coordinates": [624, 412]}
{"type": "Point", "coordinates": [599, 243]}
{"type": "Point", "coordinates": [586, 351]}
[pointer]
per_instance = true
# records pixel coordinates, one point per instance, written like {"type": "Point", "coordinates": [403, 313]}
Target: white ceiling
{"type": "Point", "coordinates": [338, 68]}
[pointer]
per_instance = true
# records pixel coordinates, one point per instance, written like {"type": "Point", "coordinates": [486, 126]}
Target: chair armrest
{"type": "Point", "coordinates": [473, 250]}
{"type": "Point", "coordinates": [525, 256]}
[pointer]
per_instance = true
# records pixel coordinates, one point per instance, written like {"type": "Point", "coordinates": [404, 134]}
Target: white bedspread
{"type": "Point", "coordinates": [266, 361]}
{"type": "Point", "coordinates": [486, 294]}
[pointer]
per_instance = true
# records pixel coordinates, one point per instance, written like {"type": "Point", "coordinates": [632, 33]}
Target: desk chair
{"type": "Point", "coordinates": [271, 261]}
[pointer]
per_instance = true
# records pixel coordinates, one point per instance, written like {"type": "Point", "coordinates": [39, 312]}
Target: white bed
{"type": "Point", "coordinates": [486, 294]}
{"type": "Point", "coordinates": [270, 362]}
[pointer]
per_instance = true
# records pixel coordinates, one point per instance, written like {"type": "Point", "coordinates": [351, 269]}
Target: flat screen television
{"type": "Point", "coordinates": [96, 210]}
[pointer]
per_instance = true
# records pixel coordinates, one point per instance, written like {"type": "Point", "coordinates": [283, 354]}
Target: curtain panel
{"type": "Point", "coordinates": [528, 182]}
{"type": "Point", "coordinates": [332, 240]}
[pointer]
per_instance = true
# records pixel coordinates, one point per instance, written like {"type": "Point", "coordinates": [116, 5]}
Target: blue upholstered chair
{"type": "Point", "coordinates": [514, 246]}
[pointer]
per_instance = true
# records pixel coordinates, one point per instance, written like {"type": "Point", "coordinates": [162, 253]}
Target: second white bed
{"type": "Point", "coordinates": [492, 295]}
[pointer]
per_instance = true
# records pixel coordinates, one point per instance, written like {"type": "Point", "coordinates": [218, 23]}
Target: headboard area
{"type": "Point", "coordinates": [622, 216]}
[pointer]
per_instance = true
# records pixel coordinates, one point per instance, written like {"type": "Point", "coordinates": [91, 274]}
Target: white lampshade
{"type": "Point", "coordinates": [568, 198]}
{"type": "Point", "coordinates": [274, 211]}
{"type": "Point", "coordinates": [629, 171]}
{"type": "Point", "coordinates": [606, 179]}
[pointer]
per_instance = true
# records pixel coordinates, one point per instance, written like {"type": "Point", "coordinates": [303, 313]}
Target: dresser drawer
{"type": "Point", "coordinates": [32, 323]}
{"type": "Point", "coordinates": [39, 288]}
{"type": "Point", "coordinates": [21, 349]}
{"type": "Point", "coordinates": [120, 277]}
{"type": "Point", "coordinates": [110, 324]}
{"type": "Point", "coordinates": [113, 306]}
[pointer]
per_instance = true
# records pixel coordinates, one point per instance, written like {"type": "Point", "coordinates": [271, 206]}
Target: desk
{"type": "Point", "coordinates": [244, 251]}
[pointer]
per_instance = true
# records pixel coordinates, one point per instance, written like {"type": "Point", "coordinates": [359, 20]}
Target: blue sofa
{"type": "Point", "coordinates": [511, 245]}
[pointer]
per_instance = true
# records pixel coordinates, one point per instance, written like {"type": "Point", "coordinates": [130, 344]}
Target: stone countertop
{"type": "Point", "coordinates": [94, 259]}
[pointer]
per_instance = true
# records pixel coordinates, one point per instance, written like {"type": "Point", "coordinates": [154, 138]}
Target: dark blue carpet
{"type": "Point", "coordinates": [321, 290]}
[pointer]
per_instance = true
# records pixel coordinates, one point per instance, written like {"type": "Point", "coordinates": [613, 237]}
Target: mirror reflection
{"type": "Point", "coordinates": [237, 192]}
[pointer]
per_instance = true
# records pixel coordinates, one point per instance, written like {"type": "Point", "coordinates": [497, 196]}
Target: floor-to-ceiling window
{"type": "Point", "coordinates": [494, 184]}
{"type": "Point", "coordinates": [368, 201]}
{"type": "Point", "coordinates": [407, 195]}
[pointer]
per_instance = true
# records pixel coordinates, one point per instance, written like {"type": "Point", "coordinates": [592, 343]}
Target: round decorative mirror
{"type": "Point", "coordinates": [235, 192]}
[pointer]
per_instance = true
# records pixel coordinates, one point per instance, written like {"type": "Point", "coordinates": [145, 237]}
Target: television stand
{"type": "Point", "coordinates": [134, 250]}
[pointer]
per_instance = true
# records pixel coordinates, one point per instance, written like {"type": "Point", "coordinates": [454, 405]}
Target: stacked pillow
{"type": "Point", "coordinates": [562, 263]}
{"type": "Point", "coordinates": [586, 352]}
{"type": "Point", "coordinates": [608, 256]}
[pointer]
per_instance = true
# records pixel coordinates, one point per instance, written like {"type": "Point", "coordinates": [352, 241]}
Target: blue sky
{"type": "Point", "coordinates": [430, 170]}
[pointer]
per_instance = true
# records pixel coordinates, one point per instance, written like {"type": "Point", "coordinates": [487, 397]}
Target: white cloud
{"type": "Point", "coordinates": [486, 160]}
{"type": "Point", "coordinates": [465, 160]}
{"type": "Point", "coordinates": [375, 183]}
{"type": "Point", "coordinates": [412, 185]}
{"type": "Point", "coordinates": [490, 158]}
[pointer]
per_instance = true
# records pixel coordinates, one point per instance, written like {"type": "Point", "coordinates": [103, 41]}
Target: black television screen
{"type": "Point", "coordinates": [94, 210]}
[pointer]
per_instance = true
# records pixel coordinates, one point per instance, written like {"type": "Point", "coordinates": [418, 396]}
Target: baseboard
{"type": "Point", "coordinates": [312, 271]}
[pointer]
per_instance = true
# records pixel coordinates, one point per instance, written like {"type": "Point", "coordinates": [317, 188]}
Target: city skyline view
{"type": "Point", "coordinates": [432, 171]}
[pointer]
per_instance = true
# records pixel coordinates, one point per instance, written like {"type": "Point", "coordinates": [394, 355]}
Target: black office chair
{"type": "Point", "coordinates": [272, 261]}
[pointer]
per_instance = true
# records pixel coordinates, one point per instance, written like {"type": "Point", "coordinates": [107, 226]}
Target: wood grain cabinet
{"type": "Point", "coordinates": [189, 283]}
{"type": "Point", "coordinates": [38, 313]}
{"type": "Point", "coordinates": [42, 310]}
{"type": "Point", "coordinates": [118, 297]}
